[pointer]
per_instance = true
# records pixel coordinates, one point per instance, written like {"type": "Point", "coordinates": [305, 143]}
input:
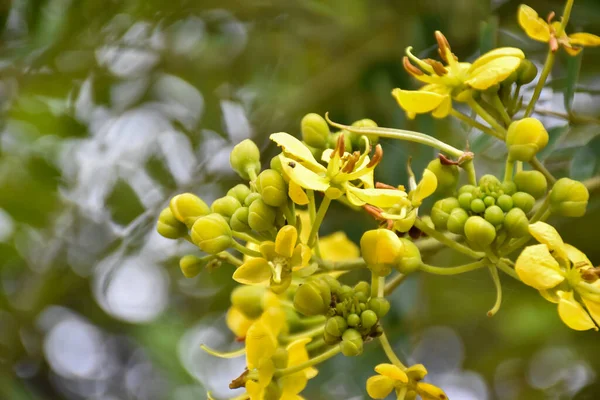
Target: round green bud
{"type": "Point", "coordinates": [275, 164]}
{"type": "Point", "coordinates": [315, 131]}
{"type": "Point", "coordinates": [333, 139]}
{"type": "Point", "coordinates": [368, 319]}
{"type": "Point", "coordinates": [280, 358]}
{"type": "Point", "coordinates": [345, 292]}
{"type": "Point", "coordinates": [467, 189]}
{"type": "Point", "coordinates": [479, 231]}
{"type": "Point", "coordinates": [225, 206]}
{"type": "Point", "coordinates": [505, 202]}
{"type": "Point", "coordinates": [464, 199]}
{"type": "Point", "coordinates": [251, 198]}
{"type": "Point", "coordinates": [516, 223]}
{"type": "Point", "coordinates": [364, 123]}
{"type": "Point", "coordinates": [336, 326]}
{"type": "Point", "coordinates": [362, 287]}
{"type": "Point", "coordinates": [169, 226]}
{"type": "Point", "coordinates": [313, 297]}
{"type": "Point", "coordinates": [361, 297]}
{"type": "Point", "coordinates": [245, 159]}
{"type": "Point", "coordinates": [381, 248]}
{"type": "Point", "coordinates": [524, 201]}
{"type": "Point", "coordinates": [271, 186]}
{"type": "Point", "coordinates": [508, 188]}
{"type": "Point", "coordinates": [352, 343]}
{"type": "Point", "coordinates": [187, 208]}
{"type": "Point", "coordinates": [239, 220]}
{"type": "Point", "coordinates": [353, 320]}
{"type": "Point", "coordinates": [380, 306]}
{"type": "Point", "coordinates": [330, 339]}
{"type": "Point", "coordinates": [272, 392]}
{"type": "Point", "coordinates": [489, 201]}
{"type": "Point", "coordinates": [525, 138]}
{"type": "Point", "coordinates": [456, 221]}
{"type": "Point", "coordinates": [494, 215]}
{"type": "Point", "coordinates": [261, 217]}
{"type": "Point", "coordinates": [362, 306]}
{"type": "Point", "coordinates": [478, 206]}
{"type": "Point", "coordinates": [569, 198]}
{"type": "Point", "coordinates": [489, 183]}
{"type": "Point", "coordinates": [191, 265]}
{"type": "Point", "coordinates": [447, 176]}
{"type": "Point", "coordinates": [532, 182]}
{"type": "Point", "coordinates": [441, 211]}
{"type": "Point", "coordinates": [411, 259]}
{"type": "Point", "coordinates": [526, 72]}
{"type": "Point", "coordinates": [211, 233]}
{"type": "Point", "coordinates": [240, 192]}
{"type": "Point", "coordinates": [248, 299]}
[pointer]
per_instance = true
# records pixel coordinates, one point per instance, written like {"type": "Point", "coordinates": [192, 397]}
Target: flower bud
{"type": "Point", "coordinates": [569, 198]}
{"type": "Point", "coordinates": [362, 287]}
{"type": "Point", "coordinates": [280, 358]}
{"type": "Point", "coordinates": [467, 189]}
{"type": "Point", "coordinates": [191, 265]}
{"type": "Point", "coordinates": [187, 208]}
{"type": "Point", "coordinates": [271, 186]}
{"type": "Point", "coordinates": [411, 258]}
{"type": "Point", "coordinates": [532, 182]}
{"type": "Point", "coordinates": [494, 215]}
{"type": "Point", "coordinates": [245, 159]}
{"type": "Point", "coordinates": [441, 211]}
{"type": "Point", "coordinates": [333, 139]}
{"type": "Point", "coordinates": [368, 319]}
{"type": "Point", "coordinates": [456, 221]}
{"type": "Point", "coordinates": [275, 164]}
{"type": "Point", "coordinates": [330, 339]}
{"type": "Point", "coordinates": [353, 320]}
{"type": "Point", "coordinates": [251, 198]}
{"type": "Point", "coordinates": [489, 201]}
{"type": "Point", "coordinates": [516, 223]}
{"type": "Point", "coordinates": [272, 391]}
{"type": "Point", "coordinates": [261, 217]}
{"type": "Point", "coordinates": [336, 326]}
{"type": "Point", "coordinates": [447, 176]}
{"type": "Point", "coordinates": [352, 343]}
{"type": "Point", "coordinates": [477, 206]}
{"type": "Point", "coordinates": [334, 285]}
{"type": "Point", "coordinates": [345, 293]}
{"type": "Point", "coordinates": [248, 299]}
{"type": "Point", "coordinates": [239, 220]}
{"type": "Point", "coordinates": [489, 183]}
{"type": "Point", "coordinates": [169, 226]}
{"type": "Point", "coordinates": [211, 233]}
{"type": "Point", "coordinates": [315, 131]}
{"type": "Point", "coordinates": [364, 123]}
{"type": "Point", "coordinates": [505, 202]}
{"type": "Point", "coordinates": [380, 306]}
{"type": "Point", "coordinates": [524, 201]}
{"type": "Point", "coordinates": [313, 297]}
{"type": "Point", "coordinates": [240, 192]}
{"type": "Point", "coordinates": [381, 248]}
{"type": "Point", "coordinates": [508, 188]}
{"type": "Point", "coordinates": [225, 206]}
{"type": "Point", "coordinates": [525, 138]}
{"type": "Point", "coordinates": [464, 199]}
{"type": "Point", "coordinates": [479, 231]}
{"type": "Point", "coordinates": [526, 72]}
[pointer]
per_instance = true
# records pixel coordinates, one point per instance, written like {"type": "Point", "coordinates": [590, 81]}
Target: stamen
{"type": "Point", "coordinates": [341, 145]}
{"type": "Point", "coordinates": [553, 44]}
{"type": "Point", "coordinates": [381, 185]}
{"type": "Point", "coordinates": [376, 157]}
{"type": "Point", "coordinates": [411, 69]}
{"type": "Point", "coordinates": [443, 46]}
{"type": "Point", "coordinates": [550, 18]}
{"type": "Point", "coordinates": [438, 67]}
{"type": "Point", "coordinates": [420, 63]}
{"type": "Point", "coordinates": [350, 164]}
{"type": "Point", "coordinates": [375, 212]}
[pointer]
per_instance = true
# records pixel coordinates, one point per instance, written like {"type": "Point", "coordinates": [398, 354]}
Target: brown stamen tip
{"type": "Point", "coordinates": [446, 161]}
{"type": "Point", "coordinates": [341, 145]}
{"type": "Point", "coordinates": [411, 69]}
{"type": "Point", "coordinates": [438, 67]}
{"type": "Point", "coordinates": [381, 185]}
{"type": "Point", "coordinates": [240, 381]}
{"type": "Point", "coordinates": [389, 224]}
{"type": "Point", "coordinates": [443, 44]}
{"type": "Point", "coordinates": [550, 17]}
{"type": "Point", "coordinates": [553, 44]}
{"type": "Point", "coordinates": [376, 157]}
{"type": "Point", "coordinates": [375, 212]}
{"type": "Point", "coordinates": [350, 164]}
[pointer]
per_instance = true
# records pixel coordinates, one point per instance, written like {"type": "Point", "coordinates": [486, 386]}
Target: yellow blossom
{"type": "Point", "coordinates": [391, 377]}
{"type": "Point", "coordinates": [557, 270]}
{"type": "Point", "coordinates": [239, 321]}
{"type": "Point", "coordinates": [551, 32]}
{"type": "Point", "coordinates": [454, 79]}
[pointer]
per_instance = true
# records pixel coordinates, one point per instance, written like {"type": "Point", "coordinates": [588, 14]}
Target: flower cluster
{"type": "Point", "coordinates": [295, 308]}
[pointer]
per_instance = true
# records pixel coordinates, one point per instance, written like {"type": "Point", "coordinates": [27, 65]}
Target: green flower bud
{"type": "Point", "coordinates": [478, 206]}
{"type": "Point", "coordinates": [489, 183]}
{"type": "Point", "coordinates": [479, 231]}
{"type": "Point", "coordinates": [271, 187]}
{"type": "Point", "coordinates": [525, 138]}
{"type": "Point", "coordinates": [334, 285]}
{"type": "Point", "coordinates": [187, 208]}
{"type": "Point", "coordinates": [211, 233]}
{"type": "Point", "coordinates": [275, 164]}
{"type": "Point", "coordinates": [191, 265]}
{"type": "Point", "coordinates": [330, 339]}
{"type": "Point", "coordinates": [361, 297]}
{"type": "Point", "coordinates": [526, 72]}
{"type": "Point", "coordinates": [261, 217]}
{"type": "Point", "coordinates": [456, 221]}
{"type": "Point", "coordinates": [569, 198]}
{"type": "Point", "coordinates": [239, 220]}
{"type": "Point", "coordinates": [353, 320]}
{"type": "Point", "coordinates": [345, 292]}
{"type": "Point", "coordinates": [245, 159]}
{"type": "Point", "coordinates": [251, 198]}
{"type": "Point", "coordinates": [169, 226]}
{"type": "Point", "coordinates": [441, 211]}
{"type": "Point", "coordinates": [516, 223]}
{"type": "Point", "coordinates": [272, 392]}
{"type": "Point", "coordinates": [225, 206]}
{"type": "Point", "coordinates": [352, 343]}
{"type": "Point", "coordinates": [467, 189]}
{"type": "Point", "coordinates": [494, 215]}
{"type": "Point", "coordinates": [248, 299]}
{"type": "Point", "coordinates": [464, 199]}
{"type": "Point", "coordinates": [362, 287]}
{"type": "Point", "coordinates": [313, 297]}
{"type": "Point", "coordinates": [240, 192]}
{"type": "Point", "coordinates": [368, 319]}
{"type": "Point", "coordinates": [505, 202]}
{"type": "Point", "coordinates": [336, 326]}
{"type": "Point", "coordinates": [524, 201]}
{"type": "Point", "coordinates": [532, 182]}
{"type": "Point", "coordinates": [380, 306]}
{"type": "Point", "coordinates": [489, 201]}
{"type": "Point", "coordinates": [347, 141]}
{"type": "Point", "coordinates": [447, 176]}
{"type": "Point", "coordinates": [508, 188]}
{"type": "Point", "coordinates": [364, 123]}
{"type": "Point", "coordinates": [315, 131]}
{"type": "Point", "coordinates": [280, 358]}
{"type": "Point", "coordinates": [381, 248]}
{"type": "Point", "coordinates": [411, 259]}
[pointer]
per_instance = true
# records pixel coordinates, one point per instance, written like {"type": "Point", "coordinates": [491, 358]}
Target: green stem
{"type": "Point", "coordinates": [460, 269]}
{"type": "Point", "coordinates": [245, 236]}
{"type": "Point", "coordinates": [542, 210]}
{"type": "Point", "coordinates": [316, 331]}
{"type": "Point", "coordinates": [393, 283]}
{"type": "Point", "coordinates": [245, 250]}
{"type": "Point", "coordinates": [474, 123]}
{"type": "Point", "coordinates": [315, 344]}
{"type": "Point", "coordinates": [374, 284]}
{"type": "Point", "coordinates": [541, 82]}
{"type": "Point", "coordinates": [497, 103]}
{"type": "Point", "coordinates": [535, 163]}
{"type": "Point", "coordinates": [312, 214]}
{"type": "Point", "coordinates": [508, 170]}
{"type": "Point", "coordinates": [341, 265]}
{"type": "Point", "coordinates": [504, 267]}
{"type": "Point", "coordinates": [498, 285]}
{"type": "Point", "coordinates": [311, 321]}
{"type": "Point", "coordinates": [389, 352]}
{"type": "Point", "coordinates": [326, 355]}
{"type": "Point", "coordinates": [312, 237]}
{"type": "Point", "coordinates": [469, 168]}
{"type": "Point", "coordinates": [565, 17]}
{"type": "Point", "coordinates": [500, 131]}
{"type": "Point", "coordinates": [514, 245]}
{"type": "Point", "coordinates": [230, 258]}
{"type": "Point", "coordinates": [289, 215]}
{"type": "Point", "coordinates": [446, 240]}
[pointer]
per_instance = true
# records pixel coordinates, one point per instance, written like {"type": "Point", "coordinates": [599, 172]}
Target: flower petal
{"type": "Point", "coordinates": [303, 176]}
{"type": "Point", "coordinates": [576, 256]}
{"type": "Point", "coordinates": [492, 72]}
{"type": "Point", "coordinates": [534, 26]}
{"type": "Point", "coordinates": [267, 249]}
{"type": "Point", "coordinates": [285, 242]}
{"type": "Point", "coordinates": [593, 308]}
{"type": "Point", "coordinates": [497, 53]}
{"type": "Point", "coordinates": [300, 257]}
{"type": "Point", "coordinates": [392, 371]}
{"type": "Point", "coordinates": [253, 271]}
{"type": "Point", "coordinates": [537, 268]}
{"type": "Point", "coordinates": [237, 322]}
{"type": "Point", "coordinates": [443, 109]}
{"type": "Point", "coordinates": [383, 198]}
{"type": "Point", "coordinates": [425, 188]}
{"type": "Point", "coordinates": [337, 247]}
{"type": "Point", "coordinates": [427, 391]}
{"type": "Point", "coordinates": [573, 314]}
{"type": "Point", "coordinates": [295, 149]}
{"type": "Point", "coordinates": [297, 194]}
{"type": "Point", "coordinates": [379, 387]}
{"type": "Point", "coordinates": [261, 344]}
{"type": "Point", "coordinates": [546, 234]}
{"type": "Point", "coordinates": [418, 101]}
{"type": "Point", "coordinates": [584, 39]}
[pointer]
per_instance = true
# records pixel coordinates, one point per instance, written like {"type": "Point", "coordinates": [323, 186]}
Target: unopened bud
{"type": "Point", "coordinates": [275, 164]}
{"type": "Point", "coordinates": [352, 343]}
{"type": "Point", "coordinates": [526, 72]}
{"type": "Point", "coordinates": [380, 306]}
{"type": "Point", "coordinates": [381, 248]}
{"type": "Point", "coordinates": [240, 192]}
{"type": "Point", "coordinates": [248, 299]}
{"type": "Point", "coordinates": [480, 232]}
{"type": "Point", "coordinates": [245, 159]}
{"type": "Point", "coordinates": [261, 217]}
{"type": "Point", "coordinates": [447, 176]}
{"type": "Point", "coordinates": [489, 183]}
{"type": "Point", "coordinates": [525, 138]}
{"type": "Point", "coordinates": [494, 215]}
{"type": "Point", "coordinates": [169, 226]}
{"type": "Point", "coordinates": [362, 287]}
{"type": "Point", "coordinates": [368, 319]}
{"type": "Point", "coordinates": [313, 297]}
{"type": "Point", "coordinates": [456, 221]}
{"type": "Point", "coordinates": [251, 198]}
{"type": "Point", "coordinates": [225, 206]}
{"type": "Point", "coordinates": [516, 223]}
{"type": "Point", "coordinates": [239, 220]}
{"type": "Point", "coordinates": [532, 182]}
{"type": "Point", "coordinates": [505, 202]}
{"type": "Point", "coordinates": [315, 131]}
{"type": "Point", "coordinates": [211, 233]}
{"type": "Point", "coordinates": [333, 141]}
{"type": "Point", "coordinates": [336, 326]}
{"type": "Point", "coordinates": [441, 211]}
{"type": "Point", "coordinates": [271, 186]}
{"type": "Point", "coordinates": [191, 265]}
{"type": "Point", "coordinates": [364, 123]}
{"type": "Point", "coordinates": [569, 198]}
{"type": "Point", "coordinates": [524, 201]}
{"type": "Point", "coordinates": [411, 258]}
{"type": "Point", "coordinates": [188, 207]}
{"type": "Point", "coordinates": [464, 199]}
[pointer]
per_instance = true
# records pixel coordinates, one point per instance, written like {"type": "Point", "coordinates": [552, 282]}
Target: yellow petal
{"type": "Point", "coordinates": [253, 271]}
{"type": "Point", "coordinates": [425, 188]}
{"type": "Point", "coordinates": [383, 198]}
{"type": "Point", "coordinates": [550, 295]}
{"type": "Point", "coordinates": [492, 72]}
{"type": "Point", "coordinates": [537, 268]}
{"type": "Point", "coordinates": [260, 344]}
{"type": "Point", "coordinates": [326, 155]}
{"type": "Point", "coordinates": [584, 39]}
{"type": "Point", "coordinates": [576, 256]}
{"type": "Point", "coordinates": [573, 314]}
{"type": "Point", "coordinates": [305, 224]}
{"type": "Point", "coordinates": [300, 257]}
{"type": "Point", "coordinates": [593, 308]}
{"type": "Point", "coordinates": [303, 176]}
{"type": "Point", "coordinates": [293, 148]}
{"type": "Point", "coordinates": [443, 109]}
{"type": "Point", "coordinates": [379, 387]}
{"type": "Point", "coordinates": [546, 234]}
{"type": "Point", "coordinates": [285, 242]}
{"type": "Point", "coordinates": [237, 322]}
{"type": "Point", "coordinates": [273, 318]}
{"type": "Point", "coordinates": [572, 51]}
{"type": "Point", "coordinates": [254, 390]}
{"type": "Point", "coordinates": [392, 371]}
{"type": "Point", "coordinates": [427, 391]}
{"type": "Point", "coordinates": [267, 249]}
{"type": "Point", "coordinates": [297, 194]}
{"type": "Point", "coordinates": [337, 247]}
{"type": "Point", "coordinates": [297, 354]}
{"type": "Point", "coordinates": [534, 26]}
{"type": "Point", "coordinates": [417, 101]}
{"type": "Point", "coordinates": [497, 53]}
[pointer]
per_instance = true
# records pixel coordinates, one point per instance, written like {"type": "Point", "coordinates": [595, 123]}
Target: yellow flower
{"type": "Point", "coordinates": [280, 259]}
{"type": "Point", "coordinates": [336, 179]}
{"type": "Point", "coordinates": [557, 270]}
{"type": "Point", "coordinates": [454, 80]}
{"type": "Point", "coordinates": [239, 321]}
{"type": "Point", "coordinates": [551, 32]}
{"type": "Point", "coordinates": [392, 377]}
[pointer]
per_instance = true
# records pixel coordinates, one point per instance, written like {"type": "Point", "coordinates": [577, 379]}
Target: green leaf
{"type": "Point", "coordinates": [573, 68]}
{"type": "Point", "coordinates": [488, 34]}
{"type": "Point", "coordinates": [554, 134]}
{"type": "Point", "coordinates": [584, 164]}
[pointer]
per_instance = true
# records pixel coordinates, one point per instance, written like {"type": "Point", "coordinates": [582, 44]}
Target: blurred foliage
{"type": "Point", "coordinates": [109, 108]}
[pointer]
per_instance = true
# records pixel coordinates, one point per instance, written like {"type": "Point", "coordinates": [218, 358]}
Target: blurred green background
{"type": "Point", "coordinates": [109, 108]}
